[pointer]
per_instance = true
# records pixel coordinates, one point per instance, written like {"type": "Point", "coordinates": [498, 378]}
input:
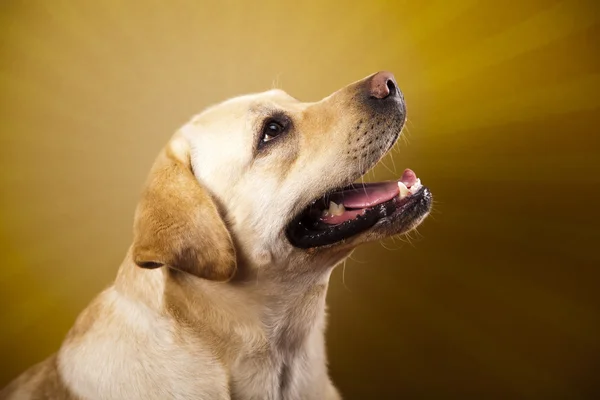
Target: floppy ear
{"type": "Point", "coordinates": [177, 223]}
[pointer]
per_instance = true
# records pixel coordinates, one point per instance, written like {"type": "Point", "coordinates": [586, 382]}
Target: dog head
{"type": "Point", "coordinates": [267, 179]}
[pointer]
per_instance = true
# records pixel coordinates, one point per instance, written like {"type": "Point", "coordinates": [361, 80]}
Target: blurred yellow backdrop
{"type": "Point", "coordinates": [497, 296]}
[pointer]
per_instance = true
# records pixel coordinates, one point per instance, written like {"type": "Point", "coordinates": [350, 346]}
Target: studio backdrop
{"type": "Point", "coordinates": [495, 295]}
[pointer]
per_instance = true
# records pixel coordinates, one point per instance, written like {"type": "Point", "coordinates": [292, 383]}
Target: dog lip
{"type": "Point", "coordinates": [413, 210]}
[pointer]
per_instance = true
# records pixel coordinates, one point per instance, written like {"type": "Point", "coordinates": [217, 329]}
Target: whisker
{"type": "Point", "coordinates": [393, 163]}
{"type": "Point", "coordinates": [406, 140]}
{"type": "Point", "coordinates": [382, 243]}
{"type": "Point", "coordinates": [432, 214]}
{"type": "Point", "coordinates": [400, 238]}
{"type": "Point", "coordinates": [418, 234]}
{"type": "Point", "coordinates": [275, 82]}
{"type": "Point", "coordinates": [409, 239]}
{"type": "Point", "coordinates": [386, 167]}
{"type": "Point", "coordinates": [406, 133]}
{"type": "Point", "coordinates": [355, 260]}
{"type": "Point", "coordinates": [344, 276]}
{"type": "Point", "coordinates": [362, 179]}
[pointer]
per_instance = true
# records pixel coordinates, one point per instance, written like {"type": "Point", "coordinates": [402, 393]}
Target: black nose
{"type": "Point", "coordinates": [383, 85]}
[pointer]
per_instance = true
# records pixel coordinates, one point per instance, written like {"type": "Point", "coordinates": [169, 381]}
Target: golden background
{"type": "Point", "coordinates": [497, 297]}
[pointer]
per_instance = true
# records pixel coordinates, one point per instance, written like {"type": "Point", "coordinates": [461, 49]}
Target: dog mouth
{"type": "Point", "coordinates": [392, 206]}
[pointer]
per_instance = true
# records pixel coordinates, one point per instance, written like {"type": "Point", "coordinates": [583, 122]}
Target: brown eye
{"type": "Point", "coordinates": [271, 130]}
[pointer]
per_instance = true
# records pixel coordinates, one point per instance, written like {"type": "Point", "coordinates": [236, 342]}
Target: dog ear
{"type": "Point", "coordinates": [177, 224]}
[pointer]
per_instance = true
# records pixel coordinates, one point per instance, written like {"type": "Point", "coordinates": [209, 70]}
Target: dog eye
{"type": "Point", "coordinates": [271, 130]}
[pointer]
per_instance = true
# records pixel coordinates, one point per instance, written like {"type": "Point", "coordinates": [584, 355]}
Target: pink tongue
{"type": "Point", "coordinates": [367, 195]}
{"type": "Point", "coordinates": [370, 194]}
{"type": "Point", "coordinates": [361, 197]}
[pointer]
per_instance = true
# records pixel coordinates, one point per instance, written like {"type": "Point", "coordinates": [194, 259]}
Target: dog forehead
{"type": "Point", "coordinates": [241, 108]}
{"type": "Point", "coordinates": [275, 100]}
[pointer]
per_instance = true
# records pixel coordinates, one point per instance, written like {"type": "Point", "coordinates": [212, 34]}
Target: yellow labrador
{"type": "Point", "coordinates": [245, 213]}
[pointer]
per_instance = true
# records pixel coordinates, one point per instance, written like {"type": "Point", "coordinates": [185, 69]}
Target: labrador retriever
{"type": "Point", "coordinates": [244, 215]}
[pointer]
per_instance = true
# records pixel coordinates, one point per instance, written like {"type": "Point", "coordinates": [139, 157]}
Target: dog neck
{"type": "Point", "coordinates": [261, 313]}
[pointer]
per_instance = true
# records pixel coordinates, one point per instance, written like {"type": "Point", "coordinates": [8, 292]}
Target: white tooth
{"type": "Point", "coordinates": [332, 208]}
{"type": "Point", "coordinates": [414, 188]}
{"type": "Point", "coordinates": [404, 191]}
{"type": "Point", "coordinates": [335, 209]}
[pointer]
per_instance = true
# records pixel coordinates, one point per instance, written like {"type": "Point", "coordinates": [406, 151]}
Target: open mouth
{"type": "Point", "coordinates": [346, 212]}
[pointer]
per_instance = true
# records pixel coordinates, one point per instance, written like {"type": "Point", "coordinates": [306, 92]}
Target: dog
{"type": "Point", "coordinates": [245, 213]}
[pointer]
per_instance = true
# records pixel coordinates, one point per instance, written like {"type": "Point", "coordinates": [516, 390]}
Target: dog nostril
{"type": "Point", "coordinates": [391, 87]}
{"type": "Point", "coordinates": [382, 85]}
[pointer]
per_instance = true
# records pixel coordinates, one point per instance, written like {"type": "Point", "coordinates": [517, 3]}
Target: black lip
{"type": "Point", "coordinates": [396, 215]}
